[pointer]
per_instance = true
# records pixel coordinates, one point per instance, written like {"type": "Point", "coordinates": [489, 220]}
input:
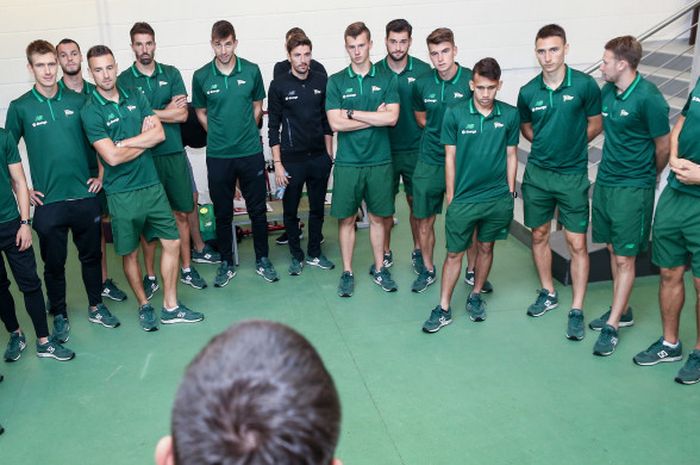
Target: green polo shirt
{"type": "Point", "coordinates": [347, 90]}
{"type": "Point", "coordinates": [631, 121]}
{"type": "Point", "coordinates": [59, 155]}
{"type": "Point", "coordinates": [405, 136]}
{"type": "Point", "coordinates": [434, 96]}
{"type": "Point", "coordinates": [104, 119]}
{"type": "Point", "coordinates": [159, 89]}
{"type": "Point", "coordinates": [9, 155]}
{"type": "Point", "coordinates": [232, 129]}
{"type": "Point", "coordinates": [481, 142]}
{"type": "Point", "coordinates": [559, 119]}
{"type": "Point", "coordinates": [87, 89]}
{"type": "Point", "coordinates": [689, 140]}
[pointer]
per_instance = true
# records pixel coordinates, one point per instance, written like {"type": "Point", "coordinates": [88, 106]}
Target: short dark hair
{"type": "Point", "coordinates": [489, 68]}
{"type": "Point", "coordinates": [355, 29]}
{"type": "Point", "coordinates": [258, 393]}
{"type": "Point", "coordinates": [294, 31]}
{"type": "Point", "coordinates": [222, 29]}
{"type": "Point", "coordinates": [399, 25]}
{"type": "Point", "coordinates": [626, 48]}
{"type": "Point", "coordinates": [98, 51]}
{"type": "Point", "coordinates": [39, 47]}
{"type": "Point", "coordinates": [440, 35]}
{"type": "Point", "coordinates": [141, 28]}
{"type": "Point", "coordinates": [295, 40]}
{"type": "Point", "coordinates": [551, 30]}
{"type": "Point", "coordinates": [67, 41]}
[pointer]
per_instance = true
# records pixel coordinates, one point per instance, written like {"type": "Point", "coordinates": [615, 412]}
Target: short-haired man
{"type": "Point", "coordinates": [361, 104]}
{"type": "Point", "coordinates": [405, 136]}
{"type": "Point", "coordinates": [559, 114]}
{"type": "Point", "coordinates": [636, 149]}
{"type": "Point", "coordinates": [71, 58]}
{"type": "Point", "coordinates": [302, 143]}
{"type": "Point", "coordinates": [269, 400]}
{"type": "Point", "coordinates": [16, 243]}
{"type": "Point", "coordinates": [122, 128]}
{"type": "Point", "coordinates": [164, 89]}
{"type": "Point", "coordinates": [676, 236]}
{"type": "Point", "coordinates": [227, 94]}
{"type": "Point", "coordinates": [481, 142]}
{"type": "Point", "coordinates": [63, 192]}
{"type": "Point", "coordinates": [433, 94]}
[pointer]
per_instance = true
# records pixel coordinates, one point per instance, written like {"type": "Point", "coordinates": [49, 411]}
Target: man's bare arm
{"type": "Point", "coordinates": [202, 117]}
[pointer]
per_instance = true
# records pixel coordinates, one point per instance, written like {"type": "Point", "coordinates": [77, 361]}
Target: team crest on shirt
{"type": "Point", "coordinates": [317, 91]}
{"type": "Point", "coordinates": [376, 88]}
{"type": "Point", "coordinates": [624, 112]}
{"type": "Point", "coordinates": [39, 121]}
{"type": "Point", "coordinates": [567, 98]}
{"type": "Point", "coordinates": [458, 95]}
{"type": "Point", "coordinates": [131, 107]}
{"type": "Point", "coordinates": [240, 82]}
{"type": "Point", "coordinates": [68, 112]}
{"type": "Point", "coordinates": [410, 80]}
{"type": "Point", "coordinates": [162, 83]}
{"type": "Point", "coordinates": [497, 125]}
{"type": "Point", "coordinates": [696, 99]}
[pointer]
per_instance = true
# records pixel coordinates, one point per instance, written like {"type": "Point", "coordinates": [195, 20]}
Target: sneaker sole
{"type": "Point", "coordinates": [205, 261]}
{"type": "Point", "coordinates": [663, 360]}
{"type": "Point", "coordinates": [420, 291]}
{"type": "Point", "coordinates": [179, 320]}
{"type": "Point", "coordinates": [265, 277]}
{"type": "Point", "coordinates": [111, 297]}
{"type": "Point", "coordinates": [477, 319]}
{"type": "Point", "coordinates": [625, 324]}
{"type": "Point", "coordinates": [55, 357]}
{"type": "Point", "coordinates": [318, 265]}
{"type": "Point", "coordinates": [536, 315]}
{"type": "Point", "coordinates": [385, 289]}
{"type": "Point", "coordinates": [572, 337]}
{"type": "Point", "coordinates": [432, 331]}
{"type": "Point", "coordinates": [344, 294]}
{"type": "Point", "coordinates": [294, 273]}
{"type": "Point", "coordinates": [150, 330]}
{"type": "Point", "coordinates": [100, 322]}
{"type": "Point", "coordinates": [685, 381]}
{"type": "Point", "coordinates": [191, 284]}
{"type": "Point", "coordinates": [603, 354]}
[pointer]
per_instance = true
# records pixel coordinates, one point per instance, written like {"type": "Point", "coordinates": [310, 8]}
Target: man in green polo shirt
{"type": "Point", "coordinates": [559, 115]}
{"type": "Point", "coordinates": [405, 136]}
{"type": "Point", "coordinates": [636, 149]}
{"type": "Point", "coordinates": [361, 104]}
{"type": "Point", "coordinates": [433, 93]}
{"type": "Point", "coordinates": [122, 128]}
{"type": "Point", "coordinates": [676, 238]}
{"type": "Point", "coordinates": [481, 142]}
{"type": "Point", "coordinates": [227, 94]}
{"type": "Point", "coordinates": [70, 58]}
{"type": "Point", "coordinates": [162, 86]}
{"type": "Point", "coordinates": [63, 192]}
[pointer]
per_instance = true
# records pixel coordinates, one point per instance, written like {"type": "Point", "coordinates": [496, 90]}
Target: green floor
{"type": "Point", "coordinates": [511, 390]}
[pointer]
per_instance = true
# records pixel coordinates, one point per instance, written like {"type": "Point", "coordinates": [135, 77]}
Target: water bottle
{"type": "Point", "coordinates": [279, 192]}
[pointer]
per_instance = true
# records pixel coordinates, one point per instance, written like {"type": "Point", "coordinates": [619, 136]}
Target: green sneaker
{"type": "Point", "coordinates": [469, 279]}
{"type": "Point", "coordinates": [206, 255]}
{"type": "Point", "coordinates": [111, 291]}
{"type": "Point", "coordinates": [346, 286]}
{"type": "Point", "coordinates": [544, 302]}
{"type": "Point", "coordinates": [321, 262]}
{"type": "Point", "coordinates": [224, 274]}
{"type": "Point", "coordinates": [61, 329]}
{"type": "Point", "coordinates": [150, 286]}
{"type": "Point", "coordinates": [383, 279]}
{"type": "Point", "coordinates": [417, 261]}
{"type": "Point", "coordinates": [54, 349]}
{"type": "Point", "coordinates": [690, 373]}
{"type": "Point", "coordinates": [102, 316]}
{"type": "Point", "coordinates": [607, 341]}
{"type": "Point", "coordinates": [296, 267]}
{"type": "Point", "coordinates": [15, 346]}
{"type": "Point", "coordinates": [181, 314]}
{"type": "Point", "coordinates": [192, 278]}
{"type": "Point", "coordinates": [264, 268]}
{"type": "Point", "coordinates": [388, 260]}
{"type": "Point", "coordinates": [658, 353]}
{"type": "Point", "coordinates": [147, 318]}
{"type": "Point", "coordinates": [425, 279]}
{"type": "Point", "coordinates": [626, 320]}
{"type": "Point", "coordinates": [575, 328]}
{"type": "Point", "coordinates": [437, 319]}
{"type": "Point", "coordinates": [476, 308]}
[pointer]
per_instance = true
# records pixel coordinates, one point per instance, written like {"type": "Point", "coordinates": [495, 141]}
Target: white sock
{"type": "Point", "coordinates": [152, 278]}
{"type": "Point", "coordinates": [186, 270]}
{"type": "Point", "coordinates": [672, 346]}
{"type": "Point", "coordinates": [170, 309]}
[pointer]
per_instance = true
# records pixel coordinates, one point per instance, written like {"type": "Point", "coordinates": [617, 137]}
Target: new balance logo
{"type": "Point", "coordinates": [662, 354]}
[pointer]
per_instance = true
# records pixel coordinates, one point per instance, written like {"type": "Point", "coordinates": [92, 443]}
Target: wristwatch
{"type": "Point", "coordinates": [27, 222]}
{"type": "Point", "coordinates": [514, 194]}
{"type": "Point", "coordinates": [349, 113]}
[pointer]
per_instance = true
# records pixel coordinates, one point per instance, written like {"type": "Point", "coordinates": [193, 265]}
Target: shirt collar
{"type": "Point", "coordinates": [565, 83]}
{"type": "Point", "coordinates": [409, 65]}
{"type": "Point", "coordinates": [122, 96]}
{"type": "Point", "coordinates": [495, 111]}
{"type": "Point", "coordinates": [135, 71]}
{"type": "Point", "coordinates": [625, 95]}
{"type": "Point", "coordinates": [454, 79]}
{"type": "Point", "coordinates": [353, 74]}
{"type": "Point", "coordinates": [236, 69]}
{"type": "Point", "coordinates": [42, 99]}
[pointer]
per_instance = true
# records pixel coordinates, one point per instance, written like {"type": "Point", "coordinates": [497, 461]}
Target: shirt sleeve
{"type": "Point", "coordinates": [274, 115]}
{"type": "Point", "coordinates": [93, 125]}
{"type": "Point", "coordinates": [199, 98]}
{"type": "Point", "coordinates": [448, 134]}
{"type": "Point", "coordinates": [513, 130]}
{"type": "Point", "coordinates": [258, 87]}
{"type": "Point", "coordinates": [418, 104]}
{"type": "Point", "coordinates": [656, 115]}
{"type": "Point", "coordinates": [593, 99]}
{"type": "Point", "coordinates": [13, 122]}
{"type": "Point", "coordinates": [523, 108]}
{"type": "Point", "coordinates": [333, 100]}
{"type": "Point", "coordinates": [11, 150]}
{"type": "Point", "coordinates": [392, 91]}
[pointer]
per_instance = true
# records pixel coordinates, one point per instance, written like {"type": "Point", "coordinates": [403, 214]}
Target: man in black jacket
{"type": "Point", "coordinates": [285, 66]}
{"type": "Point", "coordinates": [301, 150]}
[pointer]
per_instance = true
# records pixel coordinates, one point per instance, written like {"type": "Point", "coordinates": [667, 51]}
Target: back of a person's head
{"type": "Point", "coordinates": [257, 394]}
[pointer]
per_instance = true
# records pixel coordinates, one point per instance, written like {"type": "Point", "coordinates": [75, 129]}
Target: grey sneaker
{"type": "Point", "coordinates": [544, 303]}
{"type": "Point", "coordinates": [15, 346]}
{"type": "Point", "coordinates": [181, 314]}
{"type": "Point", "coordinates": [425, 279]}
{"type": "Point", "coordinates": [321, 261]}
{"type": "Point", "coordinates": [437, 319]}
{"type": "Point", "coordinates": [346, 286]}
{"type": "Point", "coordinates": [54, 349]}
{"type": "Point", "coordinates": [296, 267]}
{"type": "Point", "coordinates": [383, 279]}
{"type": "Point", "coordinates": [469, 279]}
{"type": "Point", "coordinates": [147, 318]}
{"type": "Point", "coordinates": [476, 307]}
{"type": "Point", "coordinates": [388, 261]}
{"type": "Point", "coordinates": [575, 327]}
{"type": "Point", "coordinates": [61, 329]}
{"type": "Point", "coordinates": [690, 373]}
{"type": "Point", "coordinates": [626, 320]}
{"type": "Point", "coordinates": [607, 341]}
{"type": "Point", "coordinates": [417, 261]}
{"type": "Point", "coordinates": [206, 255]}
{"type": "Point", "coordinates": [264, 268]}
{"type": "Point", "coordinates": [150, 286]}
{"type": "Point", "coordinates": [659, 353]}
{"type": "Point", "coordinates": [102, 316]}
{"type": "Point", "coordinates": [111, 291]}
{"type": "Point", "coordinates": [192, 278]}
{"type": "Point", "coordinates": [224, 274]}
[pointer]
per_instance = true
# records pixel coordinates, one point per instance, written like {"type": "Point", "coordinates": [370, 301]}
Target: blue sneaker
{"type": "Point", "coordinates": [437, 319]}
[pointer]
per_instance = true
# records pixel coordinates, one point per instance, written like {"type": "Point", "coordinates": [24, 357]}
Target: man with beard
{"type": "Point", "coordinates": [164, 89]}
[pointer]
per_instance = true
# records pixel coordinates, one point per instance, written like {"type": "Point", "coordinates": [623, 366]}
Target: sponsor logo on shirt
{"type": "Point", "coordinates": [240, 82]}
{"type": "Point", "coordinates": [458, 95]}
{"type": "Point", "coordinates": [140, 89]}
{"type": "Point", "coordinates": [431, 99]}
{"type": "Point", "coordinates": [214, 89]}
{"type": "Point", "coordinates": [605, 111]}
{"type": "Point", "coordinates": [539, 106]}
{"type": "Point", "coordinates": [469, 129]}
{"type": "Point", "coordinates": [111, 119]}
{"type": "Point", "coordinates": [291, 97]}
{"type": "Point", "coordinates": [131, 107]}
{"type": "Point", "coordinates": [497, 125]}
{"type": "Point", "coordinates": [376, 88]}
{"type": "Point", "coordinates": [39, 121]}
{"type": "Point", "coordinates": [567, 98]}
{"type": "Point", "coordinates": [162, 83]}
{"type": "Point", "coordinates": [624, 112]}
{"type": "Point", "coordinates": [68, 112]}
{"type": "Point", "coordinates": [317, 91]}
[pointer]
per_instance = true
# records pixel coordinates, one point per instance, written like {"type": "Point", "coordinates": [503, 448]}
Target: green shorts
{"type": "Point", "coordinates": [353, 184]}
{"type": "Point", "coordinates": [143, 211]}
{"type": "Point", "coordinates": [428, 189]}
{"type": "Point", "coordinates": [404, 164]}
{"type": "Point", "coordinates": [676, 231]}
{"type": "Point", "coordinates": [492, 218]}
{"type": "Point", "coordinates": [174, 174]}
{"type": "Point", "coordinates": [544, 190]}
{"type": "Point", "coordinates": [622, 217]}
